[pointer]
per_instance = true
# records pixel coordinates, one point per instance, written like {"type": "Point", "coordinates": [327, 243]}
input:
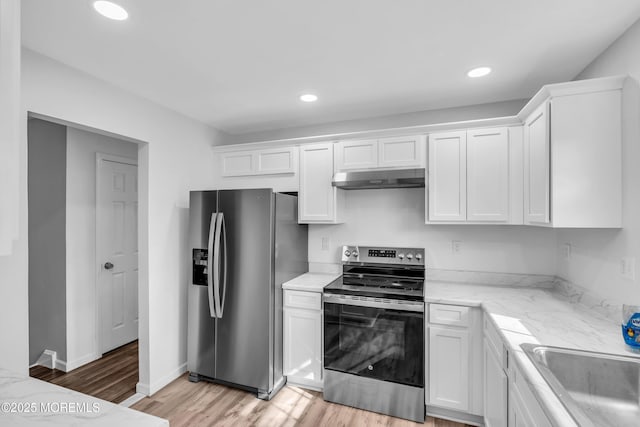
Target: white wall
{"type": "Point", "coordinates": [14, 334]}
{"type": "Point", "coordinates": [177, 158]}
{"type": "Point", "coordinates": [82, 147]}
{"type": "Point", "coordinates": [419, 118]}
{"type": "Point", "coordinates": [9, 122]}
{"type": "Point", "coordinates": [596, 254]}
{"type": "Point", "coordinates": [395, 217]}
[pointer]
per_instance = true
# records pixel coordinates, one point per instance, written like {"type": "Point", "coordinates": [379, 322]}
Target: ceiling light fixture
{"type": "Point", "coordinates": [110, 10]}
{"type": "Point", "coordinates": [479, 72]}
{"type": "Point", "coordinates": [309, 97]}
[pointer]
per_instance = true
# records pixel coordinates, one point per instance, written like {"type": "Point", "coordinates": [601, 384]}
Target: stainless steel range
{"type": "Point", "coordinates": [374, 332]}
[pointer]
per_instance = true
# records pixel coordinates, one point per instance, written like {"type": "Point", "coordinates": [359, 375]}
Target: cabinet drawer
{"type": "Point", "coordinates": [494, 342]}
{"type": "Point", "coordinates": [303, 299]}
{"type": "Point", "coordinates": [452, 315]}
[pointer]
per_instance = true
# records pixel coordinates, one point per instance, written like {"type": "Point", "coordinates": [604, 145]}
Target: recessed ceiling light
{"type": "Point", "coordinates": [479, 72]}
{"type": "Point", "coordinates": [110, 10]}
{"type": "Point", "coordinates": [308, 97]}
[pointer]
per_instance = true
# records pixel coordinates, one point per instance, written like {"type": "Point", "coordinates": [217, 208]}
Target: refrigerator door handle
{"type": "Point", "coordinates": [216, 265]}
{"type": "Point", "coordinates": [210, 264]}
{"type": "Point", "coordinates": [224, 261]}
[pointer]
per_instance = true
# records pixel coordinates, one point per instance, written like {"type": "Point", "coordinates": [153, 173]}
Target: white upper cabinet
{"type": "Point", "coordinates": [395, 152]}
{"type": "Point", "coordinates": [488, 175]}
{"type": "Point", "coordinates": [536, 166]}
{"type": "Point", "coordinates": [402, 151]}
{"type": "Point", "coordinates": [573, 155]}
{"type": "Point", "coordinates": [275, 168]}
{"type": "Point", "coordinates": [318, 200]}
{"type": "Point", "coordinates": [259, 162]}
{"type": "Point", "coordinates": [447, 186]}
{"type": "Point", "coordinates": [357, 154]}
{"type": "Point", "coordinates": [475, 176]}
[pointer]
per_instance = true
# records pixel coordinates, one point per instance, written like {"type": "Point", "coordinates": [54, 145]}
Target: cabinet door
{"type": "Point", "coordinates": [524, 409]}
{"type": "Point", "coordinates": [536, 166]}
{"type": "Point", "coordinates": [495, 390]}
{"type": "Point", "coordinates": [259, 162]}
{"type": "Point", "coordinates": [303, 344]}
{"type": "Point", "coordinates": [406, 151]}
{"type": "Point", "coordinates": [449, 368]}
{"type": "Point", "coordinates": [238, 163]}
{"type": "Point", "coordinates": [317, 198]}
{"type": "Point", "coordinates": [276, 161]}
{"type": "Point", "coordinates": [488, 175]}
{"type": "Point", "coordinates": [447, 176]}
{"type": "Point", "coordinates": [357, 154]}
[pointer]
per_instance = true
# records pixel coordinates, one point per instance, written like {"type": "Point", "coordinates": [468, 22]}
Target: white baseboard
{"type": "Point", "coordinates": [81, 361]}
{"type": "Point", "coordinates": [131, 400]}
{"type": "Point", "coordinates": [143, 389]}
{"type": "Point", "coordinates": [61, 365]}
{"type": "Point", "coordinates": [48, 359]}
{"type": "Point", "coordinates": [161, 383]}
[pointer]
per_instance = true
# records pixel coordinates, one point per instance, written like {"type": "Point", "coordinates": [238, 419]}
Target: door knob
{"type": "Point", "coordinates": [108, 266]}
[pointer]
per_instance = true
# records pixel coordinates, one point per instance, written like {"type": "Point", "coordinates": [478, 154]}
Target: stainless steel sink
{"type": "Point", "coordinates": [597, 389]}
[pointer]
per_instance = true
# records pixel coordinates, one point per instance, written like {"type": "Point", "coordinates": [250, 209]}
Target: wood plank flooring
{"type": "Point", "coordinates": [205, 404]}
{"type": "Point", "coordinates": [112, 377]}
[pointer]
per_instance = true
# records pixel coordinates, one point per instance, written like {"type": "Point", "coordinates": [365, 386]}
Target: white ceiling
{"type": "Point", "coordinates": [241, 65]}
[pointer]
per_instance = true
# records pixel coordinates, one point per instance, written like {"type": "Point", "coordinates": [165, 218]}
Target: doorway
{"type": "Point", "coordinates": [82, 192]}
{"type": "Point", "coordinates": [117, 250]}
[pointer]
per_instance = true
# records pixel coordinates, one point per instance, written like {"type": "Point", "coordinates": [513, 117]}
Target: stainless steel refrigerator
{"type": "Point", "coordinates": [243, 245]}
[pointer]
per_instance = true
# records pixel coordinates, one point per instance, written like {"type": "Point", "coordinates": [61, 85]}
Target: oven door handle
{"type": "Point", "coordinates": [388, 304]}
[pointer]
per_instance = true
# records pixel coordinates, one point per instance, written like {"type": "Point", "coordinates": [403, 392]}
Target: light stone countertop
{"type": "Point", "coordinates": [311, 282]}
{"type": "Point", "coordinates": [26, 401]}
{"type": "Point", "coordinates": [539, 316]}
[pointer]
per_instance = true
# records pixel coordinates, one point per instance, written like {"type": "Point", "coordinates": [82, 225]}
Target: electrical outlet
{"type": "Point", "coordinates": [628, 267]}
{"type": "Point", "coordinates": [325, 243]}
{"type": "Point", "coordinates": [456, 246]}
{"type": "Point", "coordinates": [566, 251]}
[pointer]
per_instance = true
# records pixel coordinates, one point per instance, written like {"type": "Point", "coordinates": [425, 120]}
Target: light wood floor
{"type": "Point", "coordinates": [205, 404]}
{"type": "Point", "coordinates": [112, 377]}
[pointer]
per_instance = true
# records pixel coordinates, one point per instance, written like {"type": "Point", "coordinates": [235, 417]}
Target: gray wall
{"type": "Point", "coordinates": [47, 153]}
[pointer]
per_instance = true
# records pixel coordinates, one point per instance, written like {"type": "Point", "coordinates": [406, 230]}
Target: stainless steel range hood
{"type": "Point", "coordinates": [388, 178]}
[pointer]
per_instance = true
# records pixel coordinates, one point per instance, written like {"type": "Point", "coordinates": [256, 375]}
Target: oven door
{"type": "Point", "coordinates": [374, 338]}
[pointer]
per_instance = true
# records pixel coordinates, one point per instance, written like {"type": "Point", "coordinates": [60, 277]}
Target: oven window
{"type": "Point", "coordinates": [374, 342]}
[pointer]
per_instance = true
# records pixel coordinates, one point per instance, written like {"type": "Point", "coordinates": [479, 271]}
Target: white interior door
{"type": "Point", "coordinates": [117, 251]}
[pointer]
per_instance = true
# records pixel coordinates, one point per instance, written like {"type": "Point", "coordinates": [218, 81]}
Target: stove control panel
{"type": "Point", "coordinates": [382, 255]}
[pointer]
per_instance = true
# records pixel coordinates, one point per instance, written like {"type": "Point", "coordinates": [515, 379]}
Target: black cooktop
{"type": "Point", "coordinates": [373, 281]}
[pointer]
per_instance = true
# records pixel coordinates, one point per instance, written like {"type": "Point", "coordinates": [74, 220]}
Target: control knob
{"type": "Point", "coordinates": [354, 254]}
{"type": "Point", "coordinates": [418, 257]}
{"type": "Point", "coordinates": [401, 256]}
{"type": "Point", "coordinates": [409, 257]}
{"type": "Point", "coordinates": [347, 253]}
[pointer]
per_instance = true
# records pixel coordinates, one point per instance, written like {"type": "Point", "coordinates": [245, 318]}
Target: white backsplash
{"type": "Point", "coordinates": [395, 217]}
{"type": "Point", "coordinates": [490, 278]}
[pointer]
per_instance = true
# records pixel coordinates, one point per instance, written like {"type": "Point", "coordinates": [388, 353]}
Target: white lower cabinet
{"type": "Point", "coordinates": [302, 338]}
{"type": "Point", "coordinates": [454, 370]}
{"type": "Point", "coordinates": [524, 409]}
{"type": "Point", "coordinates": [495, 389]}
{"type": "Point", "coordinates": [508, 400]}
{"type": "Point", "coordinates": [449, 367]}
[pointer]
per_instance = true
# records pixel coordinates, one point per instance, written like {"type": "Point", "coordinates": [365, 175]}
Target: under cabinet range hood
{"type": "Point", "coordinates": [384, 178]}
